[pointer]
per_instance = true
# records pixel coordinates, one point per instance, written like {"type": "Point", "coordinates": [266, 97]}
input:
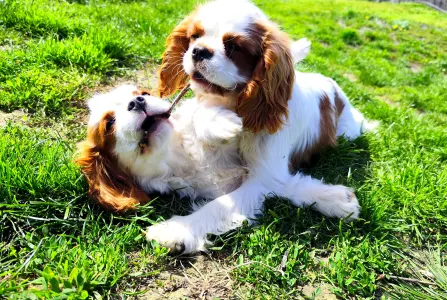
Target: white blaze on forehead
{"type": "Point", "coordinates": [228, 16]}
{"type": "Point", "coordinates": [111, 101]}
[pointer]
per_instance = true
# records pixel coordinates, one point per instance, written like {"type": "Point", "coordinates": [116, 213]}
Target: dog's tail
{"type": "Point", "coordinates": [300, 49]}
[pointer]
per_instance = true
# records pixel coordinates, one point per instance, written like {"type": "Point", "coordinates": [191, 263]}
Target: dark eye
{"type": "Point", "coordinates": [230, 48]}
{"type": "Point", "coordinates": [109, 124]}
{"type": "Point", "coordinates": [195, 36]}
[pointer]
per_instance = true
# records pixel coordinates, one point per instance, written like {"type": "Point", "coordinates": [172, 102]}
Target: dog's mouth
{"type": "Point", "coordinates": [197, 76]}
{"type": "Point", "coordinates": [208, 86]}
{"type": "Point", "coordinates": [150, 126]}
{"type": "Point", "coordinates": [211, 87]}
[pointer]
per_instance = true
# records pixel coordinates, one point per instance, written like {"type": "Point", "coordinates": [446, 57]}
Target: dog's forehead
{"type": "Point", "coordinates": [223, 16]}
{"type": "Point", "coordinates": [111, 101]}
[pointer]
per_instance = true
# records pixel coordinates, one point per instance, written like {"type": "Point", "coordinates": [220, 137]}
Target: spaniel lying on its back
{"type": "Point", "coordinates": [134, 146]}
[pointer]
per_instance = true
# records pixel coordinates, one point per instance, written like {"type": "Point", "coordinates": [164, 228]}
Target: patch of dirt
{"type": "Point", "coordinates": [364, 29]}
{"type": "Point", "coordinates": [380, 23]}
{"type": "Point", "coordinates": [144, 78]}
{"type": "Point", "coordinates": [16, 116]}
{"type": "Point", "coordinates": [394, 38]}
{"type": "Point", "coordinates": [319, 292]}
{"type": "Point", "coordinates": [198, 278]}
{"type": "Point", "coordinates": [341, 23]}
{"type": "Point", "coordinates": [5, 47]}
{"type": "Point", "coordinates": [415, 67]}
{"type": "Point", "coordinates": [351, 77]}
{"type": "Point", "coordinates": [389, 101]}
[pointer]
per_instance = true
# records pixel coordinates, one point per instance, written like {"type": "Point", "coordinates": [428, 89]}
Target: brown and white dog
{"type": "Point", "coordinates": [235, 57]}
{"type": "Point", "coordinates": [134, 146]}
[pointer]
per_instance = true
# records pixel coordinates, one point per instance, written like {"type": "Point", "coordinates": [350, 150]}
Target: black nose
{"type": "Point", "coordinates": [139, 104]}
{"type": "Point", "coordinates": [200, 53]}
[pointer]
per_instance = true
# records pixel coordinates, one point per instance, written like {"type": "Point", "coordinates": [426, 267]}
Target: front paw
{"type": "Point", "coordinates": [341, 202]}
{"type": "Point", "coordinates": [224, 126]}
{"type": "Point", "coordinates": [175, 236]}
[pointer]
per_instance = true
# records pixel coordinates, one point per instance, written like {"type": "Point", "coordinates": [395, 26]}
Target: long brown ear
{"type": "Point", "coordinates": [171, 74]}
{"type": "Point", "coordinates": [263, 102]}
{"type": "Point", "coordinates": [111, 187]}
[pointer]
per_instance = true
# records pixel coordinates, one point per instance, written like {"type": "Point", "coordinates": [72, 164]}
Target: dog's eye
{"type": "Point", "coordinates": [145, 93]}
{"type": "Point", "coordinates": [109, 124]}
{"type": "Point", "coordinates": [195, 36]}
{"type": "Point", "coordinates": [230, 48]}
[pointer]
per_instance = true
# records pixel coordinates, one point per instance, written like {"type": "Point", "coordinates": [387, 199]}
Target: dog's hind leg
{"type": "Point", "coordinates": [351, 122]}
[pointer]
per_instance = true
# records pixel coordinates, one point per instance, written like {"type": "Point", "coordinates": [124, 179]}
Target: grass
{"type": "Point", "coordinates": [390, 59]}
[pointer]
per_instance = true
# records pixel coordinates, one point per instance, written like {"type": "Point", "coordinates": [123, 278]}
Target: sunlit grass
{"type": "Point", "coordinates": [390, 59]}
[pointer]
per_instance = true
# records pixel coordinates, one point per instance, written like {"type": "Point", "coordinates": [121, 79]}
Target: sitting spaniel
{"type": "Point", "coordinates": [235, 57]}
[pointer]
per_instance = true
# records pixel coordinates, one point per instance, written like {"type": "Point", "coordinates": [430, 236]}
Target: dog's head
{"type": "Point", "coordinates": [230, 48]}
{"type": "Point", "coordinates": [128, 134]}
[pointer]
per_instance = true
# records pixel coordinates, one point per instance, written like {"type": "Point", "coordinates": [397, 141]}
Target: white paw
{"type": "Point", "coordinates": [225, 125]}
{"type": "Point", "coordinates": [339, 201]}
{"type": "Point", "coordinates": [177, 237]}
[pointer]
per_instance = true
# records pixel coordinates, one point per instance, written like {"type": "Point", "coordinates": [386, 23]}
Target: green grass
{"type": "Point", "coordinates": [390, 59]}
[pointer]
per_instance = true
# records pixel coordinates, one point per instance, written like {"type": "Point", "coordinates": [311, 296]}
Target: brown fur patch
{"type": "Point", "coordinates": [171, 75]}
{"type": "Point", "coordinates": [328, 121]}
{"type": "Point", "coordinates": [195, 29]}
{"type": "Point", "coordinates": [108, 184]}
{"type": "Point", "coordinates": [263, 102]}
{"type": "Point", "coordinates": [327, 137]}
{"type": "Point", "coordinates": [243, 51]}
{"type": "Point", "coordinates": [339, 104]}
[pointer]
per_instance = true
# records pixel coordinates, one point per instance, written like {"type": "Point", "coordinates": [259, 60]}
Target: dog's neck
{"type": "Point", "coordinates": [227, 100]}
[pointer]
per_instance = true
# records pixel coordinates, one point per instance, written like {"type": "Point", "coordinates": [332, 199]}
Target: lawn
{"type": "Point", "coordinates": [55, 243]}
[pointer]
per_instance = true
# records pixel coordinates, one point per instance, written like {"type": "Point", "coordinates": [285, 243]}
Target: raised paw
{"type": "Point", "coordinates": [175, 236]}
{"type": "Point", "coordinates": [223, 126]}
{"type": "Point", "coordinates": [227, 125]}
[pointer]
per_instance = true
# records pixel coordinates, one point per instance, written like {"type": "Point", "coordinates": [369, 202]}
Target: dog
{"type": "Point", "coordinates": [235, 57]}
{"type": "Point", "coordinates": [135, 147]}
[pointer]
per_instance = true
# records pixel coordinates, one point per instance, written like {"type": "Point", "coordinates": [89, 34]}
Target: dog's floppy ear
{"type": "Point", "coordinates": [262, 104]}
{"type": "Point", "coordinates": [109, 185]}
{"type": "Point", "coordinates": [171, 74]}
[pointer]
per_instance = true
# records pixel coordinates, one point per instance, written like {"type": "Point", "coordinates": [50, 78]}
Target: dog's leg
{"type": "Point", "coordinates": [330, 200]}
{"type": "Point", "coordinates": [214, 125]}
{"type": "Point", "coordinates": [273, 172]}
{"type": "Point", "coordinates": [188, 234]}
{"type": "Point", "coordinates": [351, 122]}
